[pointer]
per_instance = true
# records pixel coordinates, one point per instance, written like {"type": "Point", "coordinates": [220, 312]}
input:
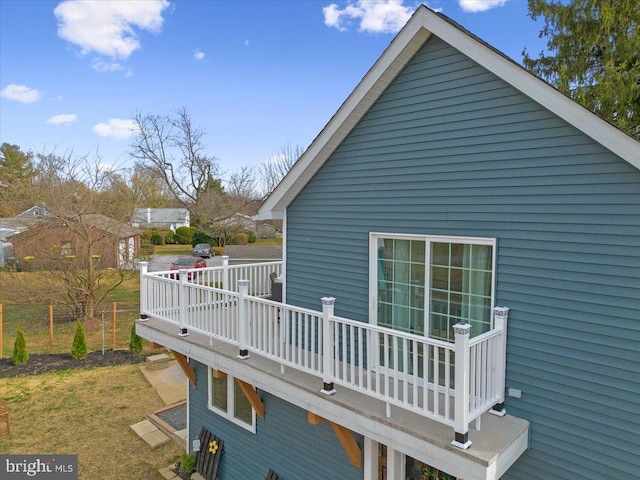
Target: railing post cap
{"type": "Point", "coordinates": [328, 301]}
{"type": "Point", "coordinates": [243, 283]}
{"type": "Point", "coordinates": [225, 257]}
{"type": "Point", "coordinates": [461, 328]}
{"type": "Point", "coordinates": [500, 311]}
{"type": "Point", "coordinates": [143, 263]}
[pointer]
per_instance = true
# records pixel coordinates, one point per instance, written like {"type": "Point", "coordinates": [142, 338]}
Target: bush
{"type": "Point", "coordinates": [199, 237]}
{"type": "Point", "coordinates": [240, 239]}
{"type": "Point", "coordinates": [252, 236]}
{"type": "Point", "coordinates": [187, 463]}
{"type": "Point", "coordinates": [156, 239]}
{"type": "Point", "coordinates": [136, 344]}
{"type": "Point", "coordinates": [184, 235]}
{"type": "Point", "coordinates": [218, 250]}
{"type": "Point", "coordinates": [20, 352]}
{"type": "Point", "coordinates": [79, 347]}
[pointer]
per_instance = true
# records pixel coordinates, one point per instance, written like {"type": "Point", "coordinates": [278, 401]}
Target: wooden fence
{"type": "Point", "coordinates": [50, 329]}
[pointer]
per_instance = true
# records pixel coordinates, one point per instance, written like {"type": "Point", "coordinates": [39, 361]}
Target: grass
{"type": "Point", "coordinates": [34, 317]}
{"type": "Point", "coordinates": [86, 412]}
{"type": "Point", "coordinates": [172, 250]}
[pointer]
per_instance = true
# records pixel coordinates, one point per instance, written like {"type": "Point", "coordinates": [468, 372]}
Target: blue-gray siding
{"type": "Point", "coordinates": [284, 441]}
{"type": "Point", "coordinates": [450, 149]}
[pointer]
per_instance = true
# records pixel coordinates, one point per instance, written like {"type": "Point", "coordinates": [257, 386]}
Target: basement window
{"type": "Point", "coordinates": [227, 400]}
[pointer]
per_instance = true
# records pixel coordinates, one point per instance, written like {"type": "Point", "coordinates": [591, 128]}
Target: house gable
{"type": "Point", "coordinates": [452, 149]}
{"type": "Point", "coordinates": [418, 30]}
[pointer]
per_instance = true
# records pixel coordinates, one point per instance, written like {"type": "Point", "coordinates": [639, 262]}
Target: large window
{"type": "Point", "coordinates": [424, 285]}
{"type": "Point", "coordinates": [226, 399]}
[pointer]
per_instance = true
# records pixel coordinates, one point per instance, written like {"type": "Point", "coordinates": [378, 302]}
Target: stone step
{"type": "Point", "coordinates": [157, 362]}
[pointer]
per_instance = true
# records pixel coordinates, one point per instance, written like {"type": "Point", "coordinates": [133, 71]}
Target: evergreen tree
{"type": "Point", "coordinates": [135, 343]}
{"type": "Point", "coordinates": [593, 55]}
{"type": "Point", "coordinates": [79, 347]}
{"type": "Point", "coordinates": [20, 352]}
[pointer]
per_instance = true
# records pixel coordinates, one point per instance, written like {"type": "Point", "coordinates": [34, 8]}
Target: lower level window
{"type": "Point", "coordinates": [416, 470]}
{"type": "Point", "coordinates": [226, 399]}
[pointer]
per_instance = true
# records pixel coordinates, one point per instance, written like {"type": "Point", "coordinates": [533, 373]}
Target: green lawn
{"type": "Point", "coordinates": [87, 412]}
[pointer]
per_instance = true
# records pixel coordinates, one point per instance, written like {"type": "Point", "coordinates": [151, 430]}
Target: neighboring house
{"type": "Point", "coordinates": [114, 244]}
{"type": "Point", "coordinates": [451, 181]}
{"type": "Point", "coordinates": [240, 221]}
{"type": "Point", "coordinates": [164, 218]}
{"type": "Point", "coordinates": [13, 225]}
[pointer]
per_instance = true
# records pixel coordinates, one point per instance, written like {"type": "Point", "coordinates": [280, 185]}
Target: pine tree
{"type": "Point", "coordinates": [593, 55]}
{"type": "Point", "coordinates": [20, 352]}
{"type": "Point", "coordinates": [136, 343]}
{"type": "Point", "coordinates": [79, 347]}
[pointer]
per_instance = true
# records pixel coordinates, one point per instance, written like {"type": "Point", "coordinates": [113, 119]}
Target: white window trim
{"type": "Point", "coordinates": [230, 413]}
{"type": "Point", "coordinates": [373, 264]}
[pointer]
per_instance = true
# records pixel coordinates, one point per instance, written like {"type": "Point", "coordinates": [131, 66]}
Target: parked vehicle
{"type": "Point", "coordinates": [188, 263]}
{"type": "Point", "coordinates": [203, 250]}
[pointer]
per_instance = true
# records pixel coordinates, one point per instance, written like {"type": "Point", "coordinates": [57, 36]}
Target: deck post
{"type": "Point", "coordinates": [462, 353]}
{"type": "Point", "coordinates": [500, 316]}
{"type": "Point", "coordinates": [243, 319]}
{"type": "Point", "coordinates": [327, 346]}
{"type": "Point", "coordinates": [183, 299]}
{"type": "Point", "coordinates": [143, 291]}
{"type": "Point", "coordinates": [225, 272]}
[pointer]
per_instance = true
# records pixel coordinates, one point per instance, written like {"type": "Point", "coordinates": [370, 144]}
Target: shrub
{"type": "Point", "coordinates": [187, 463]}
{"type": "Point", "coordinates": [184, 235]}
{"type": "Point", "coordinates": [199, 237]}
{"type": "Point", "coordinates": [240, 239]}
{"type": "Point", "coordinates": [79, 347]}
{"type": "Point", "coordinates": [136, 343]}
{"type": "Point", "coordinates": [156, 239]}
{"type": "Point", "coordinates": [218, 250]}
{"type": "Point", "coordinates": [20, 352]}
{"type": "Point", "coordinates": [252, 236]}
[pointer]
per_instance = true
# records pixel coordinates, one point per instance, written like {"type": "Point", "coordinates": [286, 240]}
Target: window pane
{"type": "Point", "coordinates": [461, 287]}
{"type": "Point", "coordinates": [242, 407]}
{"type": "Point", "coordinates": [416, 470]}
{"type": "Point", "coordinates": [439, 253]}
{"type": "Point", "coordinates": [219, 392]}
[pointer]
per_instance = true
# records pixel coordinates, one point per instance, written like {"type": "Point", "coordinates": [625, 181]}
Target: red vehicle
{"type": "Point", "coordinates": [188, 263]}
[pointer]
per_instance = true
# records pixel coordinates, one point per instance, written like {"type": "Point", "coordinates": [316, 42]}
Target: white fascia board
{"type": "Point", "coordinates": [395, 57]}
{"type": "Point", "coordinates": [618, 142]}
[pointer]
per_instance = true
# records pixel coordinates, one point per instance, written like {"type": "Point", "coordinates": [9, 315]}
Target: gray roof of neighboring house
{"type": "Point", "coordinates": [14, 226]}
{"type": "Point", "coordinates": [160, 215]}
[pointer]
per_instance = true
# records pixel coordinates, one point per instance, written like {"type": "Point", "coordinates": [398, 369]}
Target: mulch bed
{"type": "Point", "coordinates": [43, 363]}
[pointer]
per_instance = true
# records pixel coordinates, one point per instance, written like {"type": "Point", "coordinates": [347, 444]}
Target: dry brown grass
{"type": "Point", "coordinates": [88, 413]}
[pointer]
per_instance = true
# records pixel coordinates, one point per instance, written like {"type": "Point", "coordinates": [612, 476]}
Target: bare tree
{"type": "Point", "coordinates": [274, 169]}
{"type": "Point", "coordinates": [173, 148]}
{"type": "Point", "coordinates": [69, 237]}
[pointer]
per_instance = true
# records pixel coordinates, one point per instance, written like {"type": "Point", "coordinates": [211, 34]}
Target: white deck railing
{"type": "Point", "coordinates": [452, 383]}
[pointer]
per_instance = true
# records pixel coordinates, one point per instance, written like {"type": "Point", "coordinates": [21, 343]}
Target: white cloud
{"type": "Point", "coordinates": [102, 66]}
{"type": "Point", "coordinates": [385, 16]}
{"type": "Point", "coordinates": [63, 118]}
{"type": "Point", "coordinates": [118, 128]}
{"type": "Point", "coordinates": [198, 55]}
{"type": "Point", "coordinates": [480, 5]}
{"type": "Point", "coordinates": [246, 42]}
{"type": "Point", "coordinates": [107, 28]}
{"type": "Point", "coordinates": [20, 93]}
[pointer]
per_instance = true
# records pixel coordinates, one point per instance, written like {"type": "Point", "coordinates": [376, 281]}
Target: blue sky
{"type": "Point", "coordinates": [255, 75]}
